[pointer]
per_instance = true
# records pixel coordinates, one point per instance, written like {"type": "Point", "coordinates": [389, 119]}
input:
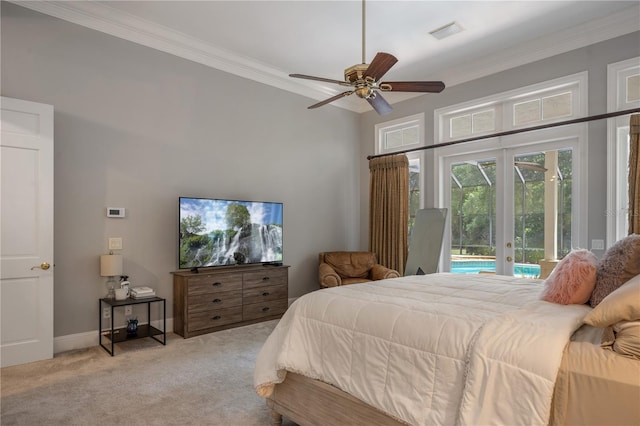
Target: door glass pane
{"type": "Point", "coordinates": [414, 192]}
{"type": "Point", "coordinates": [621, 211]}
{"type": "Point", "coordinates": [473, 216]}
{"type": "Point", "coordinates": [528, 200]}
{"type": "Point", "coordinates": [565, 184]}
{"type": "Point", "coordinates": [542, 224]}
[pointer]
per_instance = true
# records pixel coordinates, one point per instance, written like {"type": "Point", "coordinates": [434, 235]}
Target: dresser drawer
{"type": "Point", "coordinates": [213, 301]}
{"type": "Point", "coordinates": [266, 309]}
{"type": "Point", "coordinates": [264, 293]}
{"type": "Point", "coordinates": [214, 284]}
{"type": "Point", "coordinates": [266, 277]}
{"type": "Point", "coordinates": [214, 318]}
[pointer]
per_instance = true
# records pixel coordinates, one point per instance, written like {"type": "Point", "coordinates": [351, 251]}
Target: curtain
{"type": "Point", "coordinates": [389, 210]}
{"type": "Point", "coordinates": [634, 174]}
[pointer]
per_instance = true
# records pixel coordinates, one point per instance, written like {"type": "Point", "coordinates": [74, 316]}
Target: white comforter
{"type": "Point", "coordinates": [431, 349]}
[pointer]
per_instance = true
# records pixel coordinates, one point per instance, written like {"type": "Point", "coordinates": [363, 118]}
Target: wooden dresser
{"type": "Point", "coordinates": [224, 297]}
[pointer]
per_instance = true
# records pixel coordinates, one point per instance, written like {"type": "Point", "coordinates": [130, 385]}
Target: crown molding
{"type": "Point", "coordinates": [608, 27]}
{"type": "Point", "coordinates": [103, 18]}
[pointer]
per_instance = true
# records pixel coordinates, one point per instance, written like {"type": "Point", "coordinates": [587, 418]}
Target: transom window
{"type": "Point", "coordinates": [473, 123]}
{"type": "Point", "coordinates": [542, 109]}
{"type": "Point", "coordinates": [401, 134]}
{"type": "Point", "coordinates": [547, 102]}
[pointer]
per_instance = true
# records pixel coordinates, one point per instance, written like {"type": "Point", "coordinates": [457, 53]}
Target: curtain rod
{"type": "Point", "coordinates": [512, 132]}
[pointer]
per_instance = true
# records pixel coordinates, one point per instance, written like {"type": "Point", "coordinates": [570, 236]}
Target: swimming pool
{"type": "Point", "coordinates": [476, 266]}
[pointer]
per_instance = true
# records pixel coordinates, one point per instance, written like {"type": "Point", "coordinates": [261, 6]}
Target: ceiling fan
{"type": "Point", "coordinates": [364, 80]}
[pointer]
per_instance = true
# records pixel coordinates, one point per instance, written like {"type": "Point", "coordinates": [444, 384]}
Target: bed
{"type": "Point", "coordinates": [437, 349]}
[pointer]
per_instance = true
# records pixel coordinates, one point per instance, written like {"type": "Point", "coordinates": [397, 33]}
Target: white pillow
{"type": "Point", "coordinates": [627, 338]}
{"type": "Point", "coordinates": [623, 304]}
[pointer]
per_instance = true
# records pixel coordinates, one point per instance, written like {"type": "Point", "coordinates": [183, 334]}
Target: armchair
{"type": "Point", "coordinates": [351, 267]}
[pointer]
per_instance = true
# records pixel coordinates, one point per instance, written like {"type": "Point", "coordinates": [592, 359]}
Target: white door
{"type": "Point", "coordinates": [26, 223]}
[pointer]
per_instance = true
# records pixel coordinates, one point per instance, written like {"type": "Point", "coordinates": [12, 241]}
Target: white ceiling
{"type": "Point", "coordinates": [267, 40]}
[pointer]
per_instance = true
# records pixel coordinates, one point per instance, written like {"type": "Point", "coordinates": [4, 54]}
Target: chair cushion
{"type": "Point", "coordinates": [351, 264]}
{"type": "Point", "coordinates": [347, 281]}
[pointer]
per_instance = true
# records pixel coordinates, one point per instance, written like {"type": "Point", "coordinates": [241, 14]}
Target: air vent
{"type": "Point", "coordinates": [446, 30]}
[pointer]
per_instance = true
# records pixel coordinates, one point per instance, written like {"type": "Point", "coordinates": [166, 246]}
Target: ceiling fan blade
{"type": "Point", "coordinates": [380, 65]}
{"type": "Point", "coordinates": [331, 99]}
{"type": "Point", "coordinates": [379, 103]}
{"type": "Point", "coordinates": [326, 80]}
{"type": "Point", "coordinates": [412, 86]}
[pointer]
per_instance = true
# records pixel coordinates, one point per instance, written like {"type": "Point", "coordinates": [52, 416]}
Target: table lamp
{"type": "Point", "coordinates": [110, 266]}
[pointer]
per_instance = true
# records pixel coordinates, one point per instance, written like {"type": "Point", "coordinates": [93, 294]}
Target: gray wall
{"type": "Point", "coordinates": [593, 59]}
{"type": "Point", "coordinates": [137, 128]}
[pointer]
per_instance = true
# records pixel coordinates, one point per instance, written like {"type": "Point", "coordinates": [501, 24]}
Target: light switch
{"type": "Point", "coordinates": [115, 243]}
{"type": "Point", "coordinates": [597, 244]}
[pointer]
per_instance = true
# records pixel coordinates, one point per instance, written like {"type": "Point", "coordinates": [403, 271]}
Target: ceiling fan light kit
{"type": "Point", "coordinates": [364, 79]}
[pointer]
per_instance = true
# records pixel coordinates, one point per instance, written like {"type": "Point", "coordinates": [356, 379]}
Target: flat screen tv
{"type": "Point", "coordinates": [217, 232]}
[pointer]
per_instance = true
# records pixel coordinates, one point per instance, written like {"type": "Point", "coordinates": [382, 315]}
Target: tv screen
{"type": "Point", "coordinates": [215, 232]}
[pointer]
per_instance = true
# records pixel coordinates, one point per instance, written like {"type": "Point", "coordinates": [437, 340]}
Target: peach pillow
{"type": "Point", "coordinates": [572, 280]}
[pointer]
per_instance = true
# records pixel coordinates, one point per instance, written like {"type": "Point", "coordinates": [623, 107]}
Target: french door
{"type": "Point", "coordinates": [512, 202]}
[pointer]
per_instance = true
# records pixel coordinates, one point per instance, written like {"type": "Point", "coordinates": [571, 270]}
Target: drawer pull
{"type": "Point", "coordinates": [266, 293]}
{"type": "Point", "coordinates": [216, 301]}
{"type": "Point", "coordinates": [265, 278]}
{"type": "Point", "coordinates": [217, 284]}
{"type": "Point", "coordinates": [265, 309]}
{"type": "Point", "coordinates": [217, 317]}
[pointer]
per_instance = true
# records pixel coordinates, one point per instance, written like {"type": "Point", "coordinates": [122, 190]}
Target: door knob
{"type": "Point", "coordinates": [509, 258]}
{"type": "Point", "coordinates": [44, 266]}
{"type": "Point", "coordinates": [509, 245]}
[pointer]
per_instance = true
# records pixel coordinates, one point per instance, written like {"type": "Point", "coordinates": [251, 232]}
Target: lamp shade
{"type": "Point", "coordinates": [110, 265]}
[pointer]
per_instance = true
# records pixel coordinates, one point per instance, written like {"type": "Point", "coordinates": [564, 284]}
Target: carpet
{"type": "Point", "coordinates": [205, 380]}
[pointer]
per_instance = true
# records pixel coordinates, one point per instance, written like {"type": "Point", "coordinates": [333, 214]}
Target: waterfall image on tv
{"type": "Point", "coordinates": [216, 232]}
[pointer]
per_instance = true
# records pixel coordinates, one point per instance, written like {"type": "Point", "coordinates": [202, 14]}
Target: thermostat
{"type": "Point", "coordinates": [115, 211]}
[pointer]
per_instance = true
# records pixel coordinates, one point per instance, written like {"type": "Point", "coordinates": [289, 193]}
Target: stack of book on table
{"type": "Point", "coordinates": [142, 292]}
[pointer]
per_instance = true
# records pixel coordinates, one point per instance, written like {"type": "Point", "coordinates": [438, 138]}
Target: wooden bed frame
{"type": "Point", "coordinates": [613, 399]}
{"type": "Point", "coordinates": [307, 401]}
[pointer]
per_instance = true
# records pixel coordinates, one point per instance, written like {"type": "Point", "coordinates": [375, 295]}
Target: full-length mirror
{"type": "Point", "coordinates": [425, 243]}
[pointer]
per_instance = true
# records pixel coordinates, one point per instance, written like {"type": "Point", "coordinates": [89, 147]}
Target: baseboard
{"type": "Point", "coordinates": [75, 341]}
{"type": "Point", "coordinates": [72, 342]}
{"type": "Point", "coordinates": [88, 339]}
